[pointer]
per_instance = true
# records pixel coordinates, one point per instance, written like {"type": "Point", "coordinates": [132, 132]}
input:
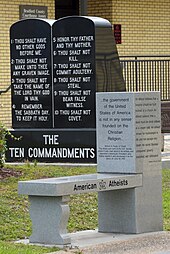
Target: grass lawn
{"type": "Point", "coordinates": [14, 217]}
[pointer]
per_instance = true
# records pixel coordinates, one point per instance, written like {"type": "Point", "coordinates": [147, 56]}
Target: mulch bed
{"type": "Point", "coordinates": [6, 172]}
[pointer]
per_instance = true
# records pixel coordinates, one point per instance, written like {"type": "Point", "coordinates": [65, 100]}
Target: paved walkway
{"type": "Point", "coordinates": [91, 242]}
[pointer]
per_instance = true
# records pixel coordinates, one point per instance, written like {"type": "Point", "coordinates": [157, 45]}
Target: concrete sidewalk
{"type": "Point", "coordinates": [92, 242]}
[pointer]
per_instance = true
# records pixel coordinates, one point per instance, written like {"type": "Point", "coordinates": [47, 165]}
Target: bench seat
{"type": "Point", "coordinates": [70, 185]}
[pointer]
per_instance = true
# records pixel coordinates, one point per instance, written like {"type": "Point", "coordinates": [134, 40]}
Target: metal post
{"type": "Point", "coordinates": [136, 73]}
{"type": "Point", "coordinates": [83, 7]}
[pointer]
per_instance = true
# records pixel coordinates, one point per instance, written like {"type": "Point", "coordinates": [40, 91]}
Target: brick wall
{"type": "Point", "coordinates": [145, 24]}
{"type": "Point", "coordinates": [100, 8]}
{"type": "Point", "coordinates": [9, 13]}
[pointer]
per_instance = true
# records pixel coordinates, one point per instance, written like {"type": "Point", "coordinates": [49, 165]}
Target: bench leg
{"type": "Point", "coordinates": [136, 210]}
{"type": "Point", "coordinates": [117, 211]}
{"type": "Point", "coordinates": [49, 217]}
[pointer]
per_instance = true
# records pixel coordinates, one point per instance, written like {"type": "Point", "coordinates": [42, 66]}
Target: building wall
{"type": "Point", "coordinates": [145, 31]}
{"type": "Point", "coordinates": [9, 13]}
{"type": "Point", "coordinates": [145, 24]}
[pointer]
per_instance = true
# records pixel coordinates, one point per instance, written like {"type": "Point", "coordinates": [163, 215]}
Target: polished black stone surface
{"type": "Point", "coordinates": [31, 75]}
{"type": "Point", "coordinates": [74, 72]}
{"type": "Point", "coordinates": [52, 145]}
{"type": "Point", "coordinates": [56, 69]}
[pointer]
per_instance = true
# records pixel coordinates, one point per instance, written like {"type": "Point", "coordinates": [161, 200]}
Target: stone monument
{"type": "Point", "coordinates": [56, 69]}
{"type": "Point", "coordinates": [31, 74]}
{"type": "Point", "coordinates": [128, 142]}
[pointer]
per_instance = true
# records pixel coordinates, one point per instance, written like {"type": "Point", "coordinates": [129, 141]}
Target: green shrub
{"type": "Point", "coordinates": [3, 146]}
{"type": "Point", "coordinates": [4, 132]}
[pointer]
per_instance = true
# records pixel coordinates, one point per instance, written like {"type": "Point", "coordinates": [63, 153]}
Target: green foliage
{"type": "Point", "coordinates": [10, 248]}
{"type": "Point", "coordinates": [4, 132]}
{"type": "Point", "coordinates": [83, 212]}
{"type": "Point", "coordinates": [3, 148]}
{"type": "Point", "coordinates": [166, 199]}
